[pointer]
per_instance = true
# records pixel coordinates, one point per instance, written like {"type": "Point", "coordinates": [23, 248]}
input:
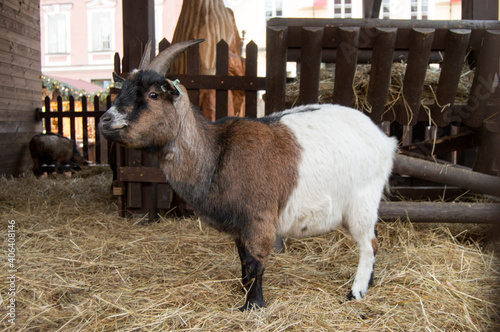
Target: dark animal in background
{"type": "Point", "coordinates": [297, 173]}
{"type": "Point", "coordinates": [54, 149]}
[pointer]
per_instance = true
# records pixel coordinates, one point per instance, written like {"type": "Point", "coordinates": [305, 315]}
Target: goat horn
{"type": "Point", "coordinates": [146, 56]}
{"type": "Point", "coordinates": [161, 63]}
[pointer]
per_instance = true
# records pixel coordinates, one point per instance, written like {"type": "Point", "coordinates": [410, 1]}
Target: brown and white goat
{"type": "Point", "coordinates": [296, 173]}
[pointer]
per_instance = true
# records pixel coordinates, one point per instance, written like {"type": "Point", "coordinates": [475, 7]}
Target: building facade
{"type": "Point", "coordinates": [79, 38]}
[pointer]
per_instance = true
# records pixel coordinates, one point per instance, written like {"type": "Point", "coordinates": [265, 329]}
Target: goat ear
{"type": "Point", "coordinates": [172, 88]}
{"type": "Point", "coordinates": [161, 63]}
{"type": "Point", "coordinates": [117, 78]}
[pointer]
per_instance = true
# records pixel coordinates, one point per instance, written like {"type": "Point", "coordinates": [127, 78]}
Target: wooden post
{"type": "Point", "coordinates": [480, 10]}
{"type": "Point", "coordinates": [276, 57]}
{"type": "Point", "coordinates": [310, 60]}
{"type": "Point", "coordinates": [221, 96]}
{"type": "Point", "coordinates": [138, 25]}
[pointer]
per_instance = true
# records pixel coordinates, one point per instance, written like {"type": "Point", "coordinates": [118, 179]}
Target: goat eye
{"type": "Point", "coordinates": [153, 95]}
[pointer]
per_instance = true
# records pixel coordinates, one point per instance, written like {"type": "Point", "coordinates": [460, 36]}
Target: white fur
{"type": "Point", "coordinates": [345, 163]}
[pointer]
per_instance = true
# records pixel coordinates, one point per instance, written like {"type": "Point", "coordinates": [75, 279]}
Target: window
{"type": "Point", "coordinates": [274, 8]}
{"type": "Point", "coordinates": [101, 31]}
{"type": "Point", "coordinates": [419, 9]}
{"type": "Point", "coordinates": [342, 9]}
{"type": "Point", "coordinates": [57, 28]}
{"type": "Point", "coordinates": [101, 20]}
{"type": "Point", "coordinates": [385, 10]}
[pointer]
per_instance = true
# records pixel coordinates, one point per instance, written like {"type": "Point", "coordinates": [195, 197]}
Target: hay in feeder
{"type": "Point", "coordinates": [82, 268]}
{"type": "Point", "coordinates": [395, 95]}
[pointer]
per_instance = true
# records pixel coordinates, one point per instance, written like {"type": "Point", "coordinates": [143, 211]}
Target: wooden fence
{"type": "Point", "coordinates": [142, 188]}
{"type": "Point", "coordinates": [94, 149]}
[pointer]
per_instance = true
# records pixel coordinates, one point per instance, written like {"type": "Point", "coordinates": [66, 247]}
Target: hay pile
{"type": "Point", "coordinates": [362, 80]}
{"type": "Point", "coordinates": [81, 268]}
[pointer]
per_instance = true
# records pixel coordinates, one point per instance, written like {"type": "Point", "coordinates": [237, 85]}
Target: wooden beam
{"type": "Point", "coordinates": [448, 174]}
{"type": "Point", "coordinates": [440, 212]}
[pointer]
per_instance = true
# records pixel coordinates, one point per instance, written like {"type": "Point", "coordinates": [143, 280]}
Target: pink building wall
{"type": "Point", "coordinates": [80, 62]}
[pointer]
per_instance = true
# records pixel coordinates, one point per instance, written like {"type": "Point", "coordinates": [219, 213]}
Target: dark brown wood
{"type": "Point", "coordinates": [72, 129]}
{"type": "Point", "coordinates": [138, 28]}
{"type": "Point", "coordinates": [447, 174]}
{"type": "Point", "coordinates": [85, 129]}
{"type": "Point", "coordinates": [149, 190]}
{"type": "Point", "coordinates": [193, 69]}
{"type": "Point", "coordinates": [142, 174]}
{"type": "Point", "coordinates": [480, 9]}
{"type": "Point", "coordinates": [312, 39]}
{"type": "Point", "coordinates": [97, 142]}
{"type": "Point", "coordinates": [47, 115]}
{"type": "Point", "coordinates": [482, 85]}
{"type": "Point", "coordinates": [59, 115]}
{"type": "Point", "coordinates": [425, 193]}
{"type": "Point", "coordinates": [371, 8]}
{"type": "Point", "coordinates": [345, 68]}
{"type": "Point", "coordinates": [444, 145]}
{"type": "Point", "coordinates": [451, 69]}
{"type": "Point", "coordinates": [251, 52]}
{"type": "Point", "coordinates": [380, 72]}
{"type": "Point", "coordinates": [276, 50]}
{"type": "Point", "coordinates": [221, 95]}
{"type": "Point", "coordinates": [418, 60]}
{"type": "Point", "coordinates": [221, 82]}
{"type": "Point", "coordinates": [437, 212]}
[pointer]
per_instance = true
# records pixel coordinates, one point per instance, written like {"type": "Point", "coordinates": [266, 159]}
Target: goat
{"type": "Point", "coordinates": [297, 173]}
{"type": "Point", "coordinates": [54, 149]}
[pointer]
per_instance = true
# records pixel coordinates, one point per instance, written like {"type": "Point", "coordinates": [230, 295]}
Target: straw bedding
{"type": "Point", "coordinates": [81, 267]}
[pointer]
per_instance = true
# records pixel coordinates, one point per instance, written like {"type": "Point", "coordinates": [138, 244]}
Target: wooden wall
{"type": "Point", "coordinates": [20, 82]}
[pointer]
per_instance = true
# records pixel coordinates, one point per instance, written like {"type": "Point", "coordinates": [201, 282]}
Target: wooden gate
{"type": "Point", "coordinates": [94, 149]}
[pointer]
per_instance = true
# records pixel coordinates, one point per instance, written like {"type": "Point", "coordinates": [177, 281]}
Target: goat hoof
{"type": "Point", "coordinates": [252, 306]}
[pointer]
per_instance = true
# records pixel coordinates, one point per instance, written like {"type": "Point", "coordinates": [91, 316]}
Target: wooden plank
{"type": "Point", "coordinates": [221, 68]}
{"type": "Point", "coordinates": [413, 83]}
{"type": "Point", "coordinates": [134, 193]}
{"type": "Point", "coordinates": [276, 50]}
{"type": "Point", "coordinates": [451, 70]}
{"type": "Point", "coordinates": [193, 69]}
{"type": "Point", "coordinates": [380, 72]}
{"type": "Point", "coordinates": [16, 49]}
{"type": "Point", "coordinates": [19, 24]}
{"type": "Point", "coordinates": [149, 190]}
{"type": "Point", "coordinates": [223, 82]}
{"type": "Point", "coordinates": [440, 212]}
{"type": "Point", "coordinates": [345, 68]}
{"type": "Point", "coordinates": [312, 39]}
{"type": "Point", "coordinates": [142, 174]}
{"type": "Point", "coordinates": [447, 174]}
{"type": "Point", "coordinates": [251, 52]}
{"type": "Point", "coordinates": [404, 27]}
{"type": "Point", "coordinates": [484, 77]}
